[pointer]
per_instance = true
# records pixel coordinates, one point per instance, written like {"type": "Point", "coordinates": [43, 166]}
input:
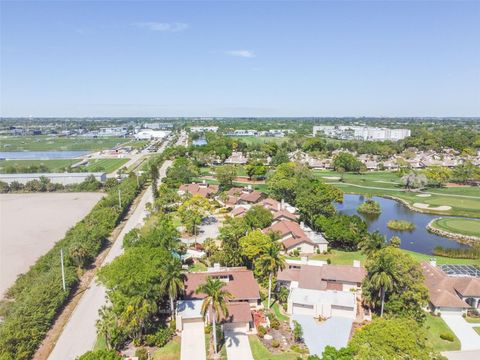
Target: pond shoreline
{"type": "Point", "coordinates": [463, 239]}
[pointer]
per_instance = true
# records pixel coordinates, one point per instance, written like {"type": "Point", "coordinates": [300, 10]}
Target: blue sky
{"type": "Point", "coordinates": [240, 58]}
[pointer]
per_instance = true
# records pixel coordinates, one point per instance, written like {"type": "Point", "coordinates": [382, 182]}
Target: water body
{"type": "Point", "coordinates": [200, 142]}
{"type": "Point", "coordinates": [40, 155]}
{"type": "Point", "coordinates": [419, 240]}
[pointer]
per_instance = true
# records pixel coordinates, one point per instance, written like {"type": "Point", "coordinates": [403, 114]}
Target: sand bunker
{"type": "Point", "coordinates": [424, 195]}
{"type": "Point", "coordinates": [438, 208]}
{"type": "Point", "coordinates": [331, 177]}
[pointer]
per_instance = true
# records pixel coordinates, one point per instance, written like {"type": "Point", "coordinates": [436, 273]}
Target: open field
{"type": "Point", "coordinates": [20, 165]}
{"type": "Point", "coordinates": [107, 165]}
{"type": "Point", "coordinates": [458, 226]}
{"type": "Point", "coordinates": [47, 143]}
{"type": "Point", "coordinates": [31, 223]}
{"type": "Point", "coordinates": [435, 326]}
{"type": "Point", "coordinates": [259, 139]}
{"type": "Point", "coordinates": [464, 201]}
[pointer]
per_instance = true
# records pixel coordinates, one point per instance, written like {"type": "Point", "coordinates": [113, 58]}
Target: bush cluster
{"type": "Point", "coordinates": [38, 295]}
{"type": "Point", "coordinates": [447, 337]}
{"type": "Point", "coordinates": [463, 253]}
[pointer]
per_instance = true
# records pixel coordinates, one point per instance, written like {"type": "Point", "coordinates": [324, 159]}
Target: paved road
{"type": "Point", "coordinates": [238, 346]}
{"type": "Point", "coordinates": [469, 339]}
{"type": "Point", "coordinates": [462, 355]}
{"type": "Point", "coordinates": [193, 341]}
{"type": "Point", "coordinates": [79, 335]}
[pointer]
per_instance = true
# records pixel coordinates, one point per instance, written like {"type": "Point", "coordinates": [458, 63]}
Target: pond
{"type": "Point", "coordinates": [419, 240]}
{"type": "Point", "coordinates": [40, 155]}
{"type": "Point", "coordinates": [200, 141]}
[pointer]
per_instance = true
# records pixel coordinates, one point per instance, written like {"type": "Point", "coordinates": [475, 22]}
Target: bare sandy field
{"type": "Point", "coordinates": [31, 223]}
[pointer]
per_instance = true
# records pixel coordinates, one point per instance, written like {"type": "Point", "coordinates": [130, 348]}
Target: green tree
{"type": "Point", "coordinates": [173, 281]}
{"type": "Point", "coordinates": [464, 172]}
{"type": "Point", "coordinates": [230, 233]}
{"type": "Point", "coordinates": [106, 325]}
{"type": "Point", "coordinates": [342, 231]}
{"type": "Point", "coordinates": [256, 169]}
{"type": "Point", "coordinates": [254, 245]}
{"type": "Point", "coordinates": [280, 157]}
{"type": "Point", "coordinates": [182, 171]}
{"type": "Point", "coordinates": [192, 212]}
{"type": "Point", "coordinates": [397, 338]}
{"type": "Point", "coordinates": [225, 175]}
{"type": "Point", "coordinates": [271, 262]}
{"type": "Point", "coordinates": [372, 242]}
{"type": "Point", "coordinates": [215, 302]}
{"type": "Point", "coordinates": [258, 217]}
{"type": "Point", "coordinates": [348, 162]}
{"type": "Point", "coordinates": [438, 175]}
{"type": "Point", "coordinates": [395, 282]}
{"type": "Point", "coordinates": [288, 180]}
{"type": "Point", "coordinates": [414, 180]}
{"type": "Point", "coordinates": [100, 355]}
{"type": "Point", "coordinates": [331, 353]}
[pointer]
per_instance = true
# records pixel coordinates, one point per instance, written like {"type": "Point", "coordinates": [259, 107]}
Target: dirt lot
{"type": "Point", "coordinates": [31, 223]}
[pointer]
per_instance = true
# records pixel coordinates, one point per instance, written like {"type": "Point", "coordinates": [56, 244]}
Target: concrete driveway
{"type": "Point", "coordinates": [238, 346]}
{"type": "Point", "coordinates": [469, 339]}
{"type": "Point", "coordinates": [334, 332]}
{"type": "Point", "coordinates": [193, 341]}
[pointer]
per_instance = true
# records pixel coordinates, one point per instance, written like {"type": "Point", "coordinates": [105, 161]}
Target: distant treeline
{"type": "Point", "coordinates": [44, 184]}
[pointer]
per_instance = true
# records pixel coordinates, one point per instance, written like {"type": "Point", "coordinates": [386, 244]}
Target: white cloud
{"type": "Point", "coordinates": [241, 53]}
{"type": "Point", "coordinates": [163, 27]}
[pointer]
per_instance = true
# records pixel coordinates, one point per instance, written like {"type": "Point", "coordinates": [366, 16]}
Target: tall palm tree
{"type": "Point", "coordinates": [383, 278]}
{"type": "Point", "coordinates": [272, 261]}
{"type": "Point", "coordinates": [173, 281]}
{"type": "Point", "coordinates": [106, 324]}
{"type": "Point", "coordinates": [215, 301]}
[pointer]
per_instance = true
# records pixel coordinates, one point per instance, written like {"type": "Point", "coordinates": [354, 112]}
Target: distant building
{"type": "Point", "coordinates": [158, 126]}
{"type": "Point", "coordinates": [112, 131]}
{"type": "Point", "coordinates": [243, 133]}
{"type": "Point", "coordinates": [149, 134]}
{"type": "Point", "coordinates": [203, 189]}
{"type": "Point", "coordinates": [361, 133]}
{"type": "Point", "coordinates": [57, 178]}
{"type": "Point", "coordinates": [202, 129]}
{"type": "Point", "coordinates": [236, 158]}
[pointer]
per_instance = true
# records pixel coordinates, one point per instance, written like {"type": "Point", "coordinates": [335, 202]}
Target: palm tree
{"type": "Point", "coordinates": [372, 242]}
{"type": "Point", "coordinates": [272, 261]}
{"type": "Point", "coordinates": [105, 324]}
{"type": "Point", "coordinates": [382, 278]}
{"type": "Point", "coordinates": [216, 301]}
{"type": "Point", "coordinates": [173, 281]}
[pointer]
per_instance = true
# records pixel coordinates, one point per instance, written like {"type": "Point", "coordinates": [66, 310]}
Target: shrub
{"type": "Point", "coordinates": [261, 331]}
{"type": "Point", "coordinates": [274, 322]}
{"type": "Point", "coordinates": [297, 331]}
{"type": "Point", "coordinates": [400, 225]}
{"type": "Point", "coordinates": [298, 349]}
{"type": "Point", "coordinates": [100, 355]}
{"type": "Point", "coordinates": [464, 253]}
{"type": "Point", "coordinates": [275, 343]}
{"type": "Point", "coordinates": [163, 336]}
{"type": "Point", "coordinates": [447, 337]}
{"type": "Point", "coordinates": [369, 207]}
{"type": "Point", "coordinates": [141, 353]}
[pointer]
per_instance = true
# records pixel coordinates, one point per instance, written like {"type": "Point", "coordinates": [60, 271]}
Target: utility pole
{"type": "Point", "coordinates": [119, 198]}
{"type": "Point", "coordinates": [63, 270]}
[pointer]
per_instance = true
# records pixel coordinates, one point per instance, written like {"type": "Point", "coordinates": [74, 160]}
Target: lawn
{"type": "Point", "coordinates": [48, 143]}
{"type": "Point", "coordinates": [260, 352]}
{"type": "Point", "coordinates": [171, 351]}
{"type": "Point", "coordinates": [222, 353]}
{"type": "Point", "coordinates": [473, 320]}
{"type": "Point", "coordinates": [338, 257]}
{"type": "Point", "coordinates": [276, 309]}
{"type": "Point", "coordinates": [106, 165]}
{"type": "Point", "coordinates": [477, 329]}
{"type": "Point", "coordinates": [459, 226]}
{"type": "Point", "coordinates": [435, 326]}
{"type": "Point", "coordinates": [21, 165]}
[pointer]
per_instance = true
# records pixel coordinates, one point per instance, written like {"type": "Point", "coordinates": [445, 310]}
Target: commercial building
{"type": "Point", "coordinates": [149, 134]}
{"type": "Point", "coordinates": [202, 129]}
{"type": "Point", "coordinates": [362, 133]}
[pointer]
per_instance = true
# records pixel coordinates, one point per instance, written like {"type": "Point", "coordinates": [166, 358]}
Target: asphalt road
{"type": "Point", "coordinates": [80, 334]}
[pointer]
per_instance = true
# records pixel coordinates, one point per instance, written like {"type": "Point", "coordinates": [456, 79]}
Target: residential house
{"type": "Point", "coordinates": [294, 236]}
{"type": "Point", "coordinates": [243, 196]}
{"type": "Point", "coordinates": [452, 293]}
{"type": "Point", "coordinates": [236, 158]}
{"type": "Point", "coordinates": [238, 281]}
{"type": "Point", "coordinates": [203, 189]}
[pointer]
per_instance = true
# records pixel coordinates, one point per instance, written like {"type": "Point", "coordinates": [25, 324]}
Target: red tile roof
{"type": "Point", "coordinates": [293, 242]}
{"type": "Point", "coordinates": [238, 211]}
{"type": "Point", "coordinates": [284, 214]}
{"type": "Point", "coordinates": [205, 190]}
{"type": "Point", "coordinates": [241, 284]}
{"type": "Point", "coordinates": [238, 312]}
{"type": "Point", "coordinates": [286, 227]}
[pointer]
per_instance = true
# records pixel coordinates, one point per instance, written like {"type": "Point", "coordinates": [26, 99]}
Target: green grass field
{"type": "Point", "coordinates": [171, 351]}
{"type": "Point", "coordinates": [107, 165]}
{"type": "Point", "coordinates": [458, 226]}
{"type": "Point", "coordinates": [465, 201]}
{"type": "Point", "coordinates": [435, 326]}
{"type": "Point", "coordinates": [51, 143]}
{"type": "Point", "coordinates": [259, 139]}
{"type": "Point", "coordinates": [339, 257]}
{"type": "Point", "coordinates": [52, 165]}
{"type": "Point", "coordinates": [260, 352]}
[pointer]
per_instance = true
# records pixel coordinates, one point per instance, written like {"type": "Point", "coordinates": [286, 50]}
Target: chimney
{"type": "Point", "coordinates": [279, 207]}
{"type": "Point", "coordinates": [356, 263]}
{"type": "Point", "coordinates": [283, 204]}
{"type": "Point", "coordinates": [433, 262]}
{"type": "Point", "coordinates": [302, 225]}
